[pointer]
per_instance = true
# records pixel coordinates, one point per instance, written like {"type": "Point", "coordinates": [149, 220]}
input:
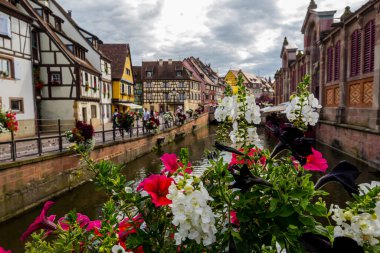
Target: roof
{"type": "Point", "coordinates": [117, 53]}
{"type": "Point", "coordinates": [137, 74]}
{"type": "Point", "coordinates": [165, 70]}
{"type": "Point", "coordinates": [12, 10]}
{"type": "Point", "coordinates": [54, 37]}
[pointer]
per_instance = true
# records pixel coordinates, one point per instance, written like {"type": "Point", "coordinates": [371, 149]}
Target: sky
{"type": "Point", "coordinates": [228, 34]}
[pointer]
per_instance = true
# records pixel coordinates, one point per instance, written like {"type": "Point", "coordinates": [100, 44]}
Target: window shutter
{"type": "Point", "coordinates": [18, 70]}
{"type": "Point", "coordinates": [5, 25]}
{"type": "Point", "coordinates": [353, 52]}
{"type": "Point", "coordinates": [329, 63]}
{"type": "Point", "coordinates": [367, 48]}
{"type": "Point", "coordinates": [337, 61]}
{"type": "Point", "coordinates": [359, 54]}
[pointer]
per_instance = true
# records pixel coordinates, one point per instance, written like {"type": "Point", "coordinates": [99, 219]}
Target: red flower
{"type": "Point", "coordinates": [41, 222]}
{"type": "Point", "coordinates": [172, 164]}
{"type": "Point", "coordinates": [234, 219]}
{"type": "Point", "coordinates": [316, 162]}
{"type": "Point", "coordinates": [237, 159]}
{"type": "Point", "coordinates": [157, 186]}
{"type": "Point", "coordinates": [4, 251]}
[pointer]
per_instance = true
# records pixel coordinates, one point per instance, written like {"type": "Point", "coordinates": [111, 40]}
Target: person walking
{"type": "Point", "coordinates": [146, 116]}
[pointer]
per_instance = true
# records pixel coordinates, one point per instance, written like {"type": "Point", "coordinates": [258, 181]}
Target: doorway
{"type": "Point", "coordinates": [84, 114]}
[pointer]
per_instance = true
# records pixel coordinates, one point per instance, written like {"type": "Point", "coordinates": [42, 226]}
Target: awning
{"type": "Point", "coordinates": [131, 105]}
{"type": "Point", "coordinates": [278, 108]}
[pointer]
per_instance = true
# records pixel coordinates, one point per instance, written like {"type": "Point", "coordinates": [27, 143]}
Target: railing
{"type": "Point", "coordinates": [50, 137]}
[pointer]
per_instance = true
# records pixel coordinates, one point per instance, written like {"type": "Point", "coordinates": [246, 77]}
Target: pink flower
{"type": "Point", "coordinates": [171, 164]}
{"type": "Point", "coordinates": [94, 225]}
{"type": "Point", "coordinates": [4, 251]}
{"type": "Point", "coordinates": [234, 219]}
{"type": "Point", "coordinates": [82, 221]}
{"type": "Point", "coordinates": [157, 186]}
{"type": "Point", "coordinates": [41, 222]}
{"type": "Point", "coordinates": [316, 162]}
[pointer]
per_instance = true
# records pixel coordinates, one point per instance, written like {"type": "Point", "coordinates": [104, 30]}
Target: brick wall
{"type": "Point", "coordinates": [25, 184]}
{"type": "Point", "coordinates": [359, 143]}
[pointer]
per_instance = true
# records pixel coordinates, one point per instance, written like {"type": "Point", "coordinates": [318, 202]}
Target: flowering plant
{"type": "Point", "coordinates": [152, 124]}
{"type": "Point", "coordinates": [190, 112]}
{"type": "Point", "coordinates": [8, 122]}
{"type": "Point", "coordinates": [257, 201]}
{"type": "Point", "coordinates": [125, 120]}
{"type": "Point", "coordinates": [181, 117]}
{"type": "Point", "coordinates": [168, 117]}
{"type": "Point", "coordinates": [82, 135]}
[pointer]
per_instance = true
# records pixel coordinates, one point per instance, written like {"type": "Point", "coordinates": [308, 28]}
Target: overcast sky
{"type": "Point", "coordinates": [228, 34]}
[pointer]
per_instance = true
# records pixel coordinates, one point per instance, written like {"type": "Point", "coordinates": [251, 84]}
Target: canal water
{"type": "Point", "coordinates": [87, 200]}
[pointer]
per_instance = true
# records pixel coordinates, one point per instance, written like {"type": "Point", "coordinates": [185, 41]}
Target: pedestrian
{"type": "Point", "coordinates": [146, 116]}
{"type": "Point", "coordinates": [114, 119]}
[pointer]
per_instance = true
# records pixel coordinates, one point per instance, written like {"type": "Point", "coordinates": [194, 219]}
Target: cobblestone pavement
{"type": "Point", "coordinates": [50, 143]}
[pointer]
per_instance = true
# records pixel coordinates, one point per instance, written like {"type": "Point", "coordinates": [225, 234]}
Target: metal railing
{"type": "Point", "coordinates": [50, 137]}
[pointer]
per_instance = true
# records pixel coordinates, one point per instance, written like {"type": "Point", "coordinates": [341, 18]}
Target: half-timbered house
{"type": "Point", "coordinates": [16, 83]}
{"type": "Point", "coordinates": [122, 76]}
{"type": "Point", "coordinates": [169, 85]}
{"type": "Point", "coordinates": [139, 91]}
{"type": "Point", "coordinates": [254, 84]}
{"type": "Point", "coordinates": [70, 82]}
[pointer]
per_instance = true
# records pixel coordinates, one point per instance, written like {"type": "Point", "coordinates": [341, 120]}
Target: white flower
{"type": "Point", "coordinates": [366, 187]}
{"type": "Point", "coordinates": [128, 189]}
{"type": "Point", "coordinates": [252, 115]}
{"type": "Point", "coordinates": [192, 216]}
{"type": "Point", "coordinates": [313, 102]}
{"type": "Point", "coordinates": [253, 137]}
{"type": "Point", "coordinates": [117, 249]}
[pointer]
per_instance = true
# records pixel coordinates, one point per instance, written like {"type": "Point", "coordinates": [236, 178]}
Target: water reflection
{"type": "Point", "coordinates": [87, 200]}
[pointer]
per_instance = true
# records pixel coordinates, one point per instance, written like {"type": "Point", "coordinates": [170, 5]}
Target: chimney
{"type": "Point", "coordinates": [69, 13]}
{"type": "Point", "coordinates": [160, 62]}
{"type": "Point", "coordinates": [170, 61]}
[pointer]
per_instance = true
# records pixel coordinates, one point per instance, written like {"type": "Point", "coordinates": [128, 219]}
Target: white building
{"type": "Point", "coordinates": [16, 82]}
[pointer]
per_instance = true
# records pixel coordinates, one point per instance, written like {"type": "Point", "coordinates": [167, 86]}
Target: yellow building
{"type": "Point", "coordinates": [122, 76]}
{"type": "Point", "coordinates": [231, 77]}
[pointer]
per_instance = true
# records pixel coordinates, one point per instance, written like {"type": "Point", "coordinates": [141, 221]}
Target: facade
{"type": "Point", "coordinates": [139, 91]}
{"type": "Point", "coordinates": [106, 90]}
{"type": "Point", "coordinates": [343, 59]}
{"type": "Point", "coordinates": [168, 85]}
{"type": "Point", "coordinates": [67, 83]}
{"type": "Point", "coordinates": [122, 76]}
{"type": "Point", "coordinates": [255, 85]}
{"type": "Point", "coordinates": [16, 82]}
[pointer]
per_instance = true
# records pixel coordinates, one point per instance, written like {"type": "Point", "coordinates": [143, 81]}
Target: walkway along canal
{"type": "Point", "coordinates": [87, 200]}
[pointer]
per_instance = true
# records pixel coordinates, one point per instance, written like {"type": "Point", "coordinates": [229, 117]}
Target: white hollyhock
{"type": "Point", "coordinates": [304, 109]}
{"type": "Point", "coordinates": [192, 216]}
{"type": "Point", "coordinates": [117, 249]}
{"type": "Point", "coordinates": [366, 187]}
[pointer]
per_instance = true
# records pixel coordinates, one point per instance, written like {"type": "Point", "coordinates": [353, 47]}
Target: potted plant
{"type": "Point", "coordinates": [86, 86]}
{"type": "Point", "coordinates": [39, 85]}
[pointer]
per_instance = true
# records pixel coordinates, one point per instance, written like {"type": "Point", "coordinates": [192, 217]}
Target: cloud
{"type": "Point", "coordinates": [245, 34]}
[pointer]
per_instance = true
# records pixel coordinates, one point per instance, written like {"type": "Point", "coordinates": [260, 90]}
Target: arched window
{"type": "Point", "coordinates": [369, 47]}
{"type": "Point", "coordinates": [337, 61]}
{"type": "Point", "coordinates": [355, 52]}
{"type": "Point", "coordinates": [329, 63]}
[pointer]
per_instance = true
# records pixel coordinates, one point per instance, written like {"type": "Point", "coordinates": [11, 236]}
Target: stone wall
{"type": "Point", "coordinates": [361, 143]}
{"type": "Point", "coordinates": [25, 184]}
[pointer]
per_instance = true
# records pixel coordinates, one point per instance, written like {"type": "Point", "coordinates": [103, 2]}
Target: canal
{"type": "Point", "coordinates": [87, 200]}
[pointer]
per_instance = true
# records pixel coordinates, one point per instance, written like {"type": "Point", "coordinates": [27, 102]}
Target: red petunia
{"type": "Point", "coordinates": [234, 219]}
{"type": "Point", "coordinates": [171, 164]}
{"type": "Point", "coordinates": [4, 251]}
{"type": "Point", "coordinates": [41, 222]}
{"type": "Point", "coordinates": [82, 220]}
{"type": "Point", "coordinates": [157, 186]}
{"type": "Point", "coordinates": [316, 162]}
{"type": "Point", "coordinates": [237, 159]}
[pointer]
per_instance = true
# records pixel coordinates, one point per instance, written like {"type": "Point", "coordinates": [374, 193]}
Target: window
{"type": "Point", "coordinates": [181, 96]}
{"type": "Point", "coordinates": [181, 85]}
{"type": "Point", "coordinates": [5, 68]}
{"type": "Point", "coordinates": [93, 111]}
{"type": "Point", "coordinates": [149, 73]}
{"type": "Point", "coordinates": [17, 105]}
{"type": "Point", "coordinates": [127, 71]}
{"type": "Point", "coordinates": [55, 77]}
{"type": "Point", "coordinates": [369, 46]}
{"type": "Point", "coordinates": [129, 90]}
{"type": "Point", "coordinates": [122, 89]}
{"type": "Point", "coordinates": [70, 47]}
{"type": "Point", "coordinates": [166, 96]}
{"type": "Point", "coordinates": [329, 63]}
{"type": "Point", "coordinates": [337, 61]}
{"type": "Point", "coordinates": [178, 73]}
{"type": "Point", "coordinates": [5, 26]}
{"type": "Point", "coordinates": [355, 52]}
{"type": "Point", "coordinates": [58, 24]}
{"type": "Point", "coordinates": [35, 45]}
{"type": "Point", "coordinates": [95, 83]}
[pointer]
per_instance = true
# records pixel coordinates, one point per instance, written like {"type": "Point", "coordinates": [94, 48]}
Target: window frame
{"type": "Point", "coordinates": [21, 99]}
{"type": "Point", "coordinates": [11, 67]}
{"type": "Point", "coordinates": [51, 74]}
{"type": "Point", "coordinates": [93, 111]}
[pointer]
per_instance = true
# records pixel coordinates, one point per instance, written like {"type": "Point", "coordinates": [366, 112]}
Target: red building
{"type": "Point", "coordinates": [343, 59]}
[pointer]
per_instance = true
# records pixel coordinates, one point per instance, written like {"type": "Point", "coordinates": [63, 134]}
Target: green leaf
{"type": "Point", "coordinates": [286, 211]}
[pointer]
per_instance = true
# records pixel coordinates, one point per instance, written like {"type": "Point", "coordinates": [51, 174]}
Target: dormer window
{"type": "Point", "coordinates": [58, 25]}
{"type": "Point", "coordinates": [40, 12]}
{"type": "Point", "coordinates": [70, 47]}
{"type": "Point", "coordinates": [178, 73]}
{"type": "Point", "coordinates": [127, 71]}
{"type": "Point", "coordinates": [149, 73]}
